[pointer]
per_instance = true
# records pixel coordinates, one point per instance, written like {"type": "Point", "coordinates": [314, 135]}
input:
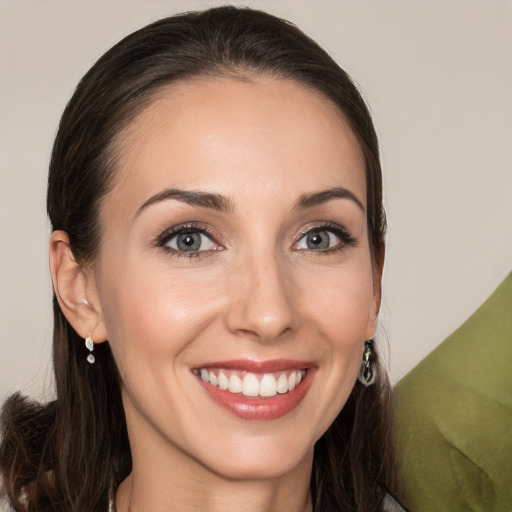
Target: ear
{"type": "Point", "coordinates": [378, 267]}
{"type": "Point", "coordinates": [75, 289]}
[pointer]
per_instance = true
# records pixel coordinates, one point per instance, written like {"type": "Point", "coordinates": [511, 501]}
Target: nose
{"type": "Point", "coordinates": [262, 304]}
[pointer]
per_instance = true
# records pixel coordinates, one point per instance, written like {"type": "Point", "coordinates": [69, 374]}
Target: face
{"type": "Point", "coordinates": [234, 276]}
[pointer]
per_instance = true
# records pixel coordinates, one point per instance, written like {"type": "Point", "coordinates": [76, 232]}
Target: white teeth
{"type": "Point", "coordinates": [268, 385]}
{"type": "Point", "coordinates": [235, 384]}
{"type": "Point", "coordinates": [250, 385]}
{"type": "Point", "coordinates": [292, 381]}
{"type": "Point", "coordinates": [282, 383]}
{"type": "Point", "coordinates": [223, 381]}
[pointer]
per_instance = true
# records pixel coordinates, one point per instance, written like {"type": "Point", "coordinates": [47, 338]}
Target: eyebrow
{"type": "Point", "coordinates": [205, 199]}
{"type": "Point", "coordinates": [223, 204]}
{"type": "Point", "coordinates": [318, 198]}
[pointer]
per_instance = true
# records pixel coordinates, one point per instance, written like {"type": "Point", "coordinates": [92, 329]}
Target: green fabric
{"type": "Point", "coordinates": [454, 417]}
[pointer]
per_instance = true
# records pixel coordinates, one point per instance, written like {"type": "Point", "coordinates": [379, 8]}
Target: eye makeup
{"type": "Point", "coordinates": [341, 233]}
{"type": "Point", "coordinates": [188, 236]}
{"type": "Point", "coordinates": [197, 240]}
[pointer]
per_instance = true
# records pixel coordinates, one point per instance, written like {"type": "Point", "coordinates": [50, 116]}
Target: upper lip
{"type": "Point", "coordinates": [250, 365]}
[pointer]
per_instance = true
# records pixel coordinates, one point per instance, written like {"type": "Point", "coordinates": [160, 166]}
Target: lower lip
{"type": "Point", "coordinates": [263, 409]}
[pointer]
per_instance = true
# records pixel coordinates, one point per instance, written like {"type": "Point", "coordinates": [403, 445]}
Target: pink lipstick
{"type": "Point", "coordinates": [255, 390]}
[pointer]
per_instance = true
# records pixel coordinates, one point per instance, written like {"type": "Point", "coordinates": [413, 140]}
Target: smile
{"type": "Point", "coordinates": [254, 390]}
{"type": "Point", "coordinates": [251, 384]}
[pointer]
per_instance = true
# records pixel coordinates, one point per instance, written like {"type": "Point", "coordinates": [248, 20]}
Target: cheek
{"type": "Point", "coordinates": [341, 302]}
{"type": "Point", "coordinates": [342, 313]}
{"type": "Point", "coordinates": [154, 312]}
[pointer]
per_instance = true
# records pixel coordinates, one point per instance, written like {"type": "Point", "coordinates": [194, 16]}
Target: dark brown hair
{"type": "Point", "coordinates": [69, 454]}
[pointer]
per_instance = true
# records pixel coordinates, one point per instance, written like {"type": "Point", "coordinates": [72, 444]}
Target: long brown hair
{"type": "Point", "coordinates": [72, 453]}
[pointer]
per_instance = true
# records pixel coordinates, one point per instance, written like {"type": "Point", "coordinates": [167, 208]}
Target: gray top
{"type": "Point", "coordinates": [391, 505]}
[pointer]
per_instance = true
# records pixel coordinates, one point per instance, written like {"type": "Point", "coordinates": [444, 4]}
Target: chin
{"type": "Point", "coordinates": [260, 459]}
{"type": "Point", "coordinates": [263, 467]}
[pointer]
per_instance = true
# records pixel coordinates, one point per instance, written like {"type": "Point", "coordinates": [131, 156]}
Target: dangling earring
{"type": "Point", "coordinates": [367, 373]}
{"type": "Point", "coordinates": [90, 347]}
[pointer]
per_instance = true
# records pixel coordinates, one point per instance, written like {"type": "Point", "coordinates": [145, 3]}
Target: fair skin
{"type": "Point", "coordinates": [265, 277]}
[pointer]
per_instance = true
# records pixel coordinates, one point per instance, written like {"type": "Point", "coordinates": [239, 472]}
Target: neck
{"type": "Point", "coordinates": [177, 487]}
{"type": "Point", "coordinates": [256, 470]}
{"type": "Point", "coordinates": [240, 496]}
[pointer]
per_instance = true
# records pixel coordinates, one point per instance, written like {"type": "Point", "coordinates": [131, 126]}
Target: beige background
{"type": "Point", "coordinates": [438, 77]}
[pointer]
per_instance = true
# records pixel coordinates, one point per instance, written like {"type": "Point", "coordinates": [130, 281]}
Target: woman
{"type": "Point", "coordinates": [217, 249]}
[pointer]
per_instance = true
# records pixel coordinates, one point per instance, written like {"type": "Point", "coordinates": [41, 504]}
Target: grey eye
{"type": "Point", "coordinates": [192, 241]}
{"type": "Point", "coordinates": [318, 240]}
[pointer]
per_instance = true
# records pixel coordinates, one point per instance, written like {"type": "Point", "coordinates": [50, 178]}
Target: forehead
{"type": "Point", "coordinates": [225, 135]}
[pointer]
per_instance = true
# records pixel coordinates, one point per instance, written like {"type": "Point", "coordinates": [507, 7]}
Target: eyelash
{"type": "Point", "coordinates": [342, 233]}
{"type": "Point", "coordinates": [168, 235]}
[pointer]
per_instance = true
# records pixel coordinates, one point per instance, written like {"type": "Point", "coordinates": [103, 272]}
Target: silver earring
{"type": "Point", "coordinates": [89, 344]}
{"type": "Point", "coordinates": [367, 373]}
